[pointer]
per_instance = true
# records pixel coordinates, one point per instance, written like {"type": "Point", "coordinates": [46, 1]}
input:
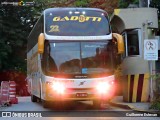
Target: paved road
{"type": "Point", "coordinates": [77, 110]}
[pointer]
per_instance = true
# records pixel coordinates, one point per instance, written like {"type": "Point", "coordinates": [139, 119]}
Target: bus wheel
{"type": "Point", "coordinates": [45, 103]}
{"type": "Point", "coordinates": [97, 104]}
{"type": "Point", "coordinates": [33, 98]}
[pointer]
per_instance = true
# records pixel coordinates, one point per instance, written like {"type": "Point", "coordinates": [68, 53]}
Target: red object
{"type": "Point", "coordinates": [4, 92]}
{"type": "Point", "coordinates": [12, 92]}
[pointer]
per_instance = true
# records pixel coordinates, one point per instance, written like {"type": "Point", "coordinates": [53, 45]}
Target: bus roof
{"type": "Point", "coordinates": [76, 8]}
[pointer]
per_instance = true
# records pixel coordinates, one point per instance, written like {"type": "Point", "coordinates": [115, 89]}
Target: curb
{"type": "Point", "coordinates": [120, 105]}
{"type": "Point", "coordinates": [130, 107]}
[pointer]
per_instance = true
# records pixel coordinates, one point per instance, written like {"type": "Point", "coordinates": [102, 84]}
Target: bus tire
{"type": "Point", "coordinates": [45, 104]}
{"type": "Point", "coordinates": [33, 98]}
{"type": "Point", "coordinates": [97, 104]}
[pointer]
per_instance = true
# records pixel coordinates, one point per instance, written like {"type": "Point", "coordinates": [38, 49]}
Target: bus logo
{"type": "Point", "coordinates": [81, 83]}
{"type": "Point", "coordinates": [80, 18]}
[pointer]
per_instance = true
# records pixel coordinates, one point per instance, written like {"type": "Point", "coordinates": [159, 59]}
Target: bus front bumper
{"type": "Point", "coordinates": [80, 95]}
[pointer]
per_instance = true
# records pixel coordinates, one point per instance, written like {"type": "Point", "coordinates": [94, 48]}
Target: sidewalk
{"type": "Point", "coordinates": [139, 106]}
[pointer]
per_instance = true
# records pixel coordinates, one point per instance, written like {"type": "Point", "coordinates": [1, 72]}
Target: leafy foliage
{"type": "Point", "coordinates": [156, 101]}
{"type": "Point", "coordinates": [155, 104]}
{"type": "Point", "coordinates": [82, 3]}
{"type": "Point", "coordinates": [125, 3]}
{"type": "Point", "coordinates": [156, 4]}
{"type": "Point", "coordinates": [15, 27]}
{"type": "Point", "coordinates": [15, 24]}
{"type": "Point", "coordinates": [107, 5]}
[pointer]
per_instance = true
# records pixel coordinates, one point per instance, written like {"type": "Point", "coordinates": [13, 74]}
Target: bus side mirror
{"type": "Point", "coordinates": [120, 42]}
{"type": "Point", "coordinates": [41, 43]}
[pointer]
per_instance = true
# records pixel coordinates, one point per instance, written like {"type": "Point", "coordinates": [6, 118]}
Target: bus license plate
{"type": "Point", "coordinates": [81, 94]}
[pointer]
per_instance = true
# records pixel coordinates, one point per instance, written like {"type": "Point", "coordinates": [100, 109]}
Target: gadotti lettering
{"type": "Point", "coordinates": [80, 18]}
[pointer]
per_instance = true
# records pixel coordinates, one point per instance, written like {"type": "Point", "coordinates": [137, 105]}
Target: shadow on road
{"type": "Point", "coordinates": [76, 109]}
{"type": "Point", "coordinates": [73, 106]}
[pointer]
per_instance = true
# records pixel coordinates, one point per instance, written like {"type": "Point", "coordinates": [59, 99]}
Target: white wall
{"type": "Point", "coordinates": [158, 38]}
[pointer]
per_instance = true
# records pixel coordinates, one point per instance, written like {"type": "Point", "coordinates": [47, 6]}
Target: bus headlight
{"type": "Point", "coordinates": [58, 87]}
{"type": "Point", "coordinates": [102, 87]}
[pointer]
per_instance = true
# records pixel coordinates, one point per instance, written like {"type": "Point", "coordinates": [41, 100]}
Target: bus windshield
{"type": "Point", "coordinates": [76, 23]}
{"type": "Point", "coordinates": [79, 57]}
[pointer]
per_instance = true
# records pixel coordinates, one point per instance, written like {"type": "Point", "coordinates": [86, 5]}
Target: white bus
{"type": "Point", "coordinates": [72, 56]}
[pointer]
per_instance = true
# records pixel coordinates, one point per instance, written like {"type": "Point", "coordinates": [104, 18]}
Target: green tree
{"type": "Point", "coordinates": [16, 23]}
{"type": "Point", "coordinates": [125, 3]}
{"type": "Point", "coordinates": [14, 29]}
{"type": "Point", "coordinates": [107, 5]}
{"type": "Point", "coordinates": [156, 4]}
{"type": "Point", "coordinates": [81, 3]}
